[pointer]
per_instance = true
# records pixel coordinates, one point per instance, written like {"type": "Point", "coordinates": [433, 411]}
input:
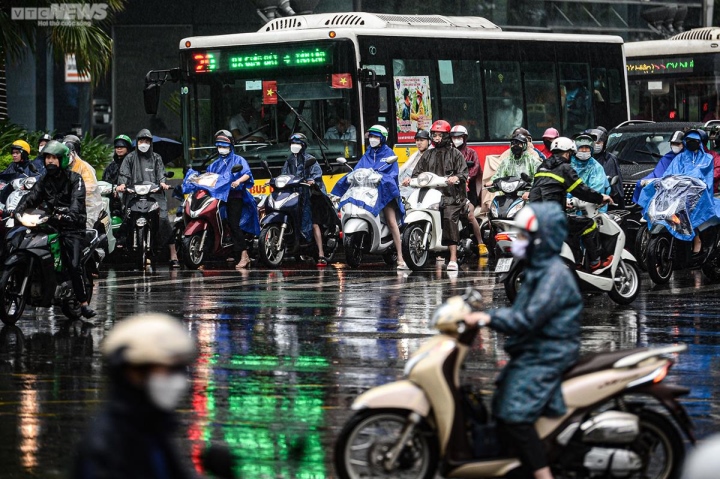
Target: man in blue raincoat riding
{"type": "Point", "coordinates": [232, 188]}
{"type": "Point", "coordinates": [388, 190]}
{"type": "Point", "coordinates": [543, 335]}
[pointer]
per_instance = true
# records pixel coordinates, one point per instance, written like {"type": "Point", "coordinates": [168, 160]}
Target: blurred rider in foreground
{"type": "Point", "coordinates": [543, 329]}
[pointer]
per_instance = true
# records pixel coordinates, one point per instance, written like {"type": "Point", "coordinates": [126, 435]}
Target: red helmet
{"type": "Point", "coordinates": [441, 126]}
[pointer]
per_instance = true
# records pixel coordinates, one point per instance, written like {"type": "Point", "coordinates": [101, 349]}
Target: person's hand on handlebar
{"type": "Point", "coordinates": [120, 188]}
{"type": "Point", "coordinates": [164, 186]}
{"type": "Point", "coordinates": [478, 318]}
{"type": "Point", "coordinates": [607, 200]}
{"type": "Point", "coordinates": [406, 182]}
{"type": "Point", "coordinates": [453, 180]}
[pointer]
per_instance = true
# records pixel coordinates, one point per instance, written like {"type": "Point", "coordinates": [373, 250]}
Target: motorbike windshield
{"type": "Point", "coordinates": [678, 204]}
{"type": "Point", "coordinates": [363, 188]}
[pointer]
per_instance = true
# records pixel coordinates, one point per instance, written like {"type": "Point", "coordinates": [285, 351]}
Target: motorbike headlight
{"type": "Point", "coordinates": [282, 181]}
{"type": "Point", "coordinates": [424, 179]}
{"type": "Point", "coordinates": [434, 206]}
{"type": "Point", "coordinates": [142, 189]}
{"type": "Point", "coordinates": [494, 209]}
{"type": "Point", "coordinates": [514, 209]}
{"type": "Point", "coordinates": [508, 186]}
{"type": "Point", "coordinates": [140, 222]}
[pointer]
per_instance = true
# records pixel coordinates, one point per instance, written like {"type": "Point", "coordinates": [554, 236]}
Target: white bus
{"type": "Point", "coordinates": [402, 71]}
{"type": "Point", "coordinates": [675, 79]}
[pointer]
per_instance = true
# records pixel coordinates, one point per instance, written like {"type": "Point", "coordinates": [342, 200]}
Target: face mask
{"type": "Point", "coordinates": [507, 101]}
{"type": "Point", "coordinates": [458, 142]}
{"type": "Point", "coordinates": [597, 147]}
{"type": "Point", "coordinates": [374, 142]}
{"type": "Point", "coordinates": [692, 145]}
{"type": "Point", "coordinates": [295, 148]}
{"type": "Point", "coordinates": [223, 151]}
{"type": "Point", "coordinates": [582, 155]}
{"type": "Point", "coordinates": [676, 149]}
{"type": "Point", "coordinates": [52, 170]}
{"type": "Point", "coordinates": [166, 390]}
{"type": "Point", "coordinates": [517, 150]}
{"type": "Point", "coordinates": [519, 247]}
{"type": "Point", "coordinates": [143, 147]}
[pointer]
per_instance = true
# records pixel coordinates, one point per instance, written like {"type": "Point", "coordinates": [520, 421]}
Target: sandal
{"type": "Point", "coordinates": [322, 261]}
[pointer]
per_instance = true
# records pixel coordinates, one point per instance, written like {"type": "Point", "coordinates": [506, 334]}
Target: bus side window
{"type": "Point", "coordinates": [541, 97]}
{"type": "Point", "coordinates": [461, 96]}
{"type": "Point", "coordinates": [504, 98]}
{"type": "Point", "coordinates": [578, 107]}
{"type": "Point", "coordinates": [614, 85]}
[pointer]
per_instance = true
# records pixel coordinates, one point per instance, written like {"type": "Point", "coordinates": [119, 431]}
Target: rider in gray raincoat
{"type": "Point", "coordinates": [543, 333]}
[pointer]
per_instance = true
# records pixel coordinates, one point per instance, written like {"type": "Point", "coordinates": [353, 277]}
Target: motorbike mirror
{"type": "Point", "coordinates": [218, 461]}
{"type": "Point", "coordinates": [169, 174]}
{"type": "Point", "coordinates": [236, 168]}
{"type": "Point", "coordinates": [390, 160]}
{"type": "Point", "coordinates": [310, 162]}
{"type": "Point", "coordinates": [342, 161]}
{"type": "Point", "coordinates": [614, 180]}
{"type": "Point", "coordinates": [526, 178]}
{"type": "Point", "coordinates": [32, 168]}
{"type": "Point", "coordinates": [470, 164]}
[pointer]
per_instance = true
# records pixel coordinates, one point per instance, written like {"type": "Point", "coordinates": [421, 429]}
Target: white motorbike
{"type": "Point", "coordinates": [620, 280]}
{"type": "Point", "coordinates": [364, 232]}
{"type": "Point", "coordinates": [20, 187]}
{"type": "Point", "coordinates": [423, 223]}
{"type": "Point", "coordinates": [104, 223]}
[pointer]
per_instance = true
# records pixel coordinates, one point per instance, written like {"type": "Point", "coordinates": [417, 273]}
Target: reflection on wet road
{"type": "Point", "coordinates": [283, 354]}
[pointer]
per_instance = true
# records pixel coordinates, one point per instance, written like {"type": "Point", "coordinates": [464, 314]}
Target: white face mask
{"type": "Point", "coordinates": [582, 155]}
{"type": "Point", "coordinates": [458, 142]}
{"type": "Point", "coordinates": [519, 247]}
{"type": "Point", "coordinates": [144, 147]}
{"type": "Point", "coordinates": [295, 148]}
{"type": "Point", "coordinates": [223, 150]}
{"type": "Point", "coordinates": [676, 149]}
{"type": "Point", "coordinates": [597, 148]}
{"type": "Point", "coordinates": [374, 142]}
{"type": "Point", "coordinates": [166, 390]}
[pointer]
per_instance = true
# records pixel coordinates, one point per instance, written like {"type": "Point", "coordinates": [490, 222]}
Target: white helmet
{"type": "Point", "coordinates": [458, 130]}
{"type": "Point", "coordinates": [526, 220]}
{"type": "Point", "coordinates": [151, 338]}
{"type": "Point", "coordinates": [563, 144]}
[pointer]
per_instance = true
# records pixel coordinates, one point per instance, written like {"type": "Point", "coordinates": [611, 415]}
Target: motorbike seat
{"type": "Point", "coordinates": [598, 361]}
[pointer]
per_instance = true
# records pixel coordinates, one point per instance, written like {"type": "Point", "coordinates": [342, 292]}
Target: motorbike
{"type": "Point", "coordinates": [105, 223]}
{"type": "Point", "coordinates": [142, 216]}
{"type": "Point", "coordinates": [364, 232]}
{"type": "Point", "coordinates": [20, 187]}
{"type": "Point", "coordinates": [428, 423]}
{"type": "Point", "coordinates": [671, 209]}
{"type": "Point", "coordinates": [620, 280]}
{"type": "Point", "coordinates": [34, 273]}
{"type": "Point", "coordinates": [496, 229]}
{"type": "Point", "coordinates": [281, 227]}
{"type": "Point", "coordinates": [422, 234]}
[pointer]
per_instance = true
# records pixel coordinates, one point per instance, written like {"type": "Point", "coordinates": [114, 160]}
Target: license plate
{"type": "Point", "coordinates": [503, 265]}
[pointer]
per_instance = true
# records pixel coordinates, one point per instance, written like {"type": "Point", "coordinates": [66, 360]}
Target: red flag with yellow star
{"type": "Point", "coordinates": [341, 80]}
{"type": "Point", "coordinates": [269, 92]}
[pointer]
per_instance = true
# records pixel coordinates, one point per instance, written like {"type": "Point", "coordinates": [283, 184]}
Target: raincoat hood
{"type": "Point", "coordinates": [552, 231]}
{"type": "Point", "coordinates": [144, 133]}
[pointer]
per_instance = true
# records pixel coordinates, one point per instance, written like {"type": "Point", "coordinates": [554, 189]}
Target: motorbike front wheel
{"type": "Point", "coordinates": [415, 253]}
{"type": "Point", "coordinates": [12, 301]}
{"type": "Point", "coordinates": [353, 249]}
{"type": "Point", "coordinates": [659, 259]}
{"type": "Point", "coordinates": [626, 283]}
{"type": "Point", "coordinates": [642, 238]}
{"type": "Point", "coordinates": [192, 253]}
{"type": "Point", "coordinates": [268, 241]}
{"type": "Point", "coordinates": [370, 434]}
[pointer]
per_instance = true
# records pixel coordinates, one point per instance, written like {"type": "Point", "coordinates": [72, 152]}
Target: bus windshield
{"type": "Point", "coordinates": [263, 94]}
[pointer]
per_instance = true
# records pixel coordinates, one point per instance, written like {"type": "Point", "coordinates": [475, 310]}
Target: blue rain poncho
{"type": "Point", "coordinates": [593, 175]}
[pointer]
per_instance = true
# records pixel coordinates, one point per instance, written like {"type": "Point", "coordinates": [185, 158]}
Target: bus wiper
{"type": "Point", "coordinates": [248, 135]}
{"type": "Point", "coordinates": [649, 153]}
{"type": "Point", "coordinates": [307, 125]}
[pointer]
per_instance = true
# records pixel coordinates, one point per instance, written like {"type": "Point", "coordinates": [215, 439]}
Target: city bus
{"type": "Point", "coordinates": [675, 79]}
{"type": "Point", "coordinates": [332, 76]}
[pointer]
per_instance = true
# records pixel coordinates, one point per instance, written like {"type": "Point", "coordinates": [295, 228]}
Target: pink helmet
{"type": "Point", "coordinates": [550, 134]}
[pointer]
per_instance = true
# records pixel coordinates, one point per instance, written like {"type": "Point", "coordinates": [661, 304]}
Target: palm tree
{"type": "Point", "coordinates": [91, 44]}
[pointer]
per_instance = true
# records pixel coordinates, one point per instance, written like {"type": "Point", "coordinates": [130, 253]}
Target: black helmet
{"type": "Point", "coordinates": [519, 138]}
{"type": "Point", "coordinates": [46, 137]}
{"type": "Point", "coordinates": [73, 142]}
{"type": "Point", "coordinates": [522, 131]}
{"type": "Point", "coordinates": [422, 135]}
{"type": "Point", "coordinates": [677, 137]}
{"type": "Point", "coordinates": [298, 138]}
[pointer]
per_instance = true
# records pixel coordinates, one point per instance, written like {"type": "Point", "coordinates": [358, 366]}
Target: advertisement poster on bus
{"type": "Point", "coordinates": [414, 112]}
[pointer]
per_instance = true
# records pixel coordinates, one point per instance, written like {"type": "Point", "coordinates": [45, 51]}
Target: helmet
{"type": "Point", "coordinates": [521, 131]}
{"type": "Point", "coordinates": [223, 136]}
{"type": "Point", "coordinates": [458, 130]}
{"type": "Point", "coordinates": [526, 220]}
{"type": "Point", "coordinates": [150, 338]}
{"type": "Point", "coordinates": [677, 137]}
{"type": "Point", "coordinates": [595, 134]}
{"type": "Point", "coordinates": [123, 141]}
{"type": "Point", "coordinates": [441, 125]}
{"type": "Point", "coordinates": [584, 140]}
{"type": "Point", "coordinates": [298, 138]}
{"type": "Point", "coordinates": [21, 145]}
{"type": "Point", "coordinates": [562, 144]}
{"type": "Point", "coordinates": [378, 130]}
{"type": "Point", "coordinates": [72, 142]}
{"type": "Point", "coordinates": [698, 134]}
{"type": "Point", "coordinates": [519, 138]}
{"type": "Point", "coordinates": [59, 150]}
{"type": "Point", "coordinates": [550, 134]}
{"type": "Point", "coordinates": [46, 137]}
{"type": "Point", "coordinates": [422, 135]}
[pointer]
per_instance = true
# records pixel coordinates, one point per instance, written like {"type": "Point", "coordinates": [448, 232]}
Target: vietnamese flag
{"type": "Point", "coordinates": [341, 80]}
{"type": "Point", "coordinates": [269, 92]}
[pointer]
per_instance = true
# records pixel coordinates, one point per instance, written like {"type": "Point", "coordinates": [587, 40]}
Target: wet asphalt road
{"type": "Point", "coordinates": [283, 353]}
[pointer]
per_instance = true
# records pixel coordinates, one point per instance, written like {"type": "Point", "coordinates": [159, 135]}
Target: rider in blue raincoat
{"type": "Point", "coordinates": [543, 334]}
{"type": "Point", "coordinates": [676, 146]}
{"type": "Point", "coordinates": [389, 199]}
{"type": "Point", "coordinates": [696, 162]}
{"type": "Point", "coordinates": [233, 189]}
{"type": "Point", "coordinates": [588, 169]}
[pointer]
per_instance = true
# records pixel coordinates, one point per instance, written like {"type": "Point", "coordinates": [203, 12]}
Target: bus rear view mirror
{"type": "Point", "coordinates": [368, 77]}
{"type": "Point", "coordinates": [151, 97]}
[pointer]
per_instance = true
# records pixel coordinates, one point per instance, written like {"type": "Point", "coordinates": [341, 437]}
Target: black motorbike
{"type": "Point", "coordinates": [281, 227]}
{"type": "Point", "coordinates": [34, 273]}
{"type": "Point", "coordinates": [142, 222]}
{"type": "Point", "coordinates": [503, 209]}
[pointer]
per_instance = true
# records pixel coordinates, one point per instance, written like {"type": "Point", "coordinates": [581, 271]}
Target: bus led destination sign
{"type": "Point", "coordinates": [270, 60]}
{"type": "Point", "coordinates": [660, 66]}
